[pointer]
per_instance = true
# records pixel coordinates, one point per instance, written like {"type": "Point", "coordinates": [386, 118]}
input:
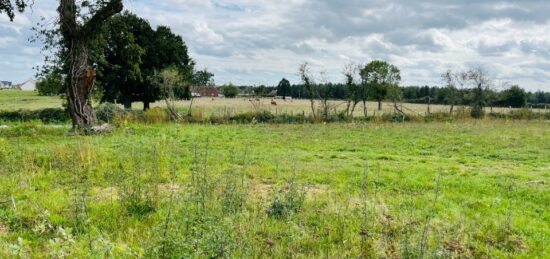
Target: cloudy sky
{"type": "Point", "coordinates": [257, 42]}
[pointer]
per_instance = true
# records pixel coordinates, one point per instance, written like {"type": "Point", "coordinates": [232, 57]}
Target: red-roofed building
{"type": "Point", "coordinates": [208, 91]}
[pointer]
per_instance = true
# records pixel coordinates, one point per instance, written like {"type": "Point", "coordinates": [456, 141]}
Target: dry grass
{"type": "Point", "coordinates": [14, 100]}
{"type": "Point", "coordinates": [224, 106]}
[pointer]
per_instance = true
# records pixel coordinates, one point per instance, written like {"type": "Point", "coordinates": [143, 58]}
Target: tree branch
{"type": "Point", "coordinates": [112, 8]}
{"type": "Point", "coordinates": [67, 17]}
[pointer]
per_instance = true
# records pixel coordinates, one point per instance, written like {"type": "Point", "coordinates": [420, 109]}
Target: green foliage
{"type": "Point", "coordinates": [284, 88]}
{"type": "Point", "coordinates": [109, 112]}
{"type": "Point", "coordinates": [477, 111]}
{"type": "Point", "coordinates": [129, 53]}
{"type": "Point", "coordinates": [121, 59]}
{"type": "Point", "coordinates": [380, 77]}
{"type": "Point", "coordinates": [229, 90]}
{"type": "Point", "coordinates": [48, 115]}
{"type": "Point", "coordinates": [203, 78]}
{"type": "Point", "coordinates": [515, 97]}
{"type": "Point", "coordinates": [252, 117]}
{"type": "Point", "coordinates": [145, 195]}
{"type": "Point", "coordinates": [9, 8]}
{"type": "Point", "coordinates": [287, 201]}
{"type": "Point", "coordinates": [52, 84]}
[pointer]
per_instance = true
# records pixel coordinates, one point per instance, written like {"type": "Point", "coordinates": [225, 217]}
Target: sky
{"type": "Point", "coordinates": [255, 42]}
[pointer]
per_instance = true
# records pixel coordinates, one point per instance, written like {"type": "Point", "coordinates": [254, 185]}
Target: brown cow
{"type": "Point", "coordinates": [273, 102]}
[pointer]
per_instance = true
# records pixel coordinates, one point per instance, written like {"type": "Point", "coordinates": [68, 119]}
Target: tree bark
{"type": "Point", "coordinates": [127, 104]}
{"type": "Point", "coordinates": [80, 76]}
{"type": "Point", "coordinates": [80, 86]}
{"type": "Point", "coordinates": [379, 105]}
{"type": "Point", "coordinates": [146, 105]}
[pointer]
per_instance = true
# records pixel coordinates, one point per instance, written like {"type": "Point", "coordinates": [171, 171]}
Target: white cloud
{"type": "Point", "coordinates": [261, 41]}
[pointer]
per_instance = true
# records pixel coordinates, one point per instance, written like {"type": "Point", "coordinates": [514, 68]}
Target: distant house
{"type": "Point", "coordinates": [29, 85]}
{"type": "Point", "coordinates": [5, 85]}
{"type": "Point", "coordinates": [207, 91]}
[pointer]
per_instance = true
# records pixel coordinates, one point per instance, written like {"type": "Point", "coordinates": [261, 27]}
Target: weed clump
{"type": "Point", "coordinates": [287, 201]}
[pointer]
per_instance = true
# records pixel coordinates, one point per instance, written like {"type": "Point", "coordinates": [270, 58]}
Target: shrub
{"type": "Point", "coordinates": [52, 84]}
{"type": "Point", "coordinates": [229, 91]}
{"type": "Point", "coordinates": [156, 115]}
{"type": "Point", "coordinates": [248, 117]}
{"type": "Point", "coordinates": [477, 112]}
{"type": "Point", "coordinates": [48, 115]}
{"type": "Point", "coordinates": [109, 112]}
{"type": "Point", "coordinates": [287, 201]}
{"type": "Point", "coordinates": [53, 115]}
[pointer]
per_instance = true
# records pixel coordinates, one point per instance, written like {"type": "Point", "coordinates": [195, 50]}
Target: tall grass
{"type": "Point", "coordinates": [170, 194]}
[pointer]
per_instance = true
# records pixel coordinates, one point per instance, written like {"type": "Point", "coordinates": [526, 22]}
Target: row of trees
{"type": "Point", "coordinates": [512, 96]}
{"type": "Point", "coordinates": [379, 81]}
{"type": "Point", "coordinates": [127, 56]}
{"type": "Point", "coordinates": [78, 25]}
{"type": "Point", "coordinates": [123, 55]}
{"type": "Point", "coordinates": [96, 52]}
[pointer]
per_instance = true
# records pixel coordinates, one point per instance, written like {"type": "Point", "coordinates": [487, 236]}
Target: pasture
{"type": "Point", "coordinates": [445, 190]}
{"type": "Point", "coordinates": [11, 100]}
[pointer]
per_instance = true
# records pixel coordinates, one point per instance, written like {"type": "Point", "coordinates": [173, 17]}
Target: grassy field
{"type": "Point", "coordinates": [13, 100]}
{"type": "Point", "coordinates": [429, 190]}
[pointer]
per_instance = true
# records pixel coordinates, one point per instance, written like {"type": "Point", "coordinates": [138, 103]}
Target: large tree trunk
{"type": "Point", "coordinates": [80, 77]}
{"type": "Point", "coordinates": [353, 109]}
{"type": "Point", "coordinates": [127, 103]}
{"type": "Point", "coordinates": [146, 105]}
{"type": "Point", "coordinates": [81, 82]}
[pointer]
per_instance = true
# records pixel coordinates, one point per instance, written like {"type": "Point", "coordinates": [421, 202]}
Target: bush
{"type": "Point", "coordinates": [52, 84]}
{"type": "Point", "coordinates": [48, 115]}
{"type": "Point", "coordinates": [287, 201]}
{"type": "Point", "coordinates": [477, 112]}
{"type": "Point", "coordinates": [229, 91]}
{"type": "Point", "coordinates": [248, 117]}
{"type": "Point", "coordinates": [53, 115]}
{"type": "Point", "coordinates": [109, 112]}
{"type": "Point", "coordinates": [156, 115]}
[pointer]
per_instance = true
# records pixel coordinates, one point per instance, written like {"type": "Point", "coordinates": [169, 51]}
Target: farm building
{"type": "Point", "coordinates": [5, 85]}
{"type": "Point", "coordinates": [29, 85]}
{"type": "Point", "coordinates": [208, 91]}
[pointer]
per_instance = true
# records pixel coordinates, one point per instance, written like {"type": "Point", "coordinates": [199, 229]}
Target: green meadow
{"type": "Point", "coordinates": [413, 190]}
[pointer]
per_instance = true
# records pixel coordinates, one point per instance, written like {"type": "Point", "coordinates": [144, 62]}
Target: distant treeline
{"type": "Point", "coordinates": [517, 97]}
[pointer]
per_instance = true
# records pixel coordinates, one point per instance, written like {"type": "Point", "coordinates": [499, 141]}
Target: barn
{"type": "Point", "coordinates": [208, 91]}
{"type": "Point", "coordinates": [29, 85]}
{"type": "Point", "coordinates": [5, 85]}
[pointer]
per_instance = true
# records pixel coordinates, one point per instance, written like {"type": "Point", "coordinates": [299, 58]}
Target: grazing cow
{"type": "Point", "coordinates": [273, 102]}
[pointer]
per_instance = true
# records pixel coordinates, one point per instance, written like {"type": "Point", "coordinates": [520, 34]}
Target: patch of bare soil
{"type": "Point", "coordinates": [102, 194]}
{"type": "Point", "coordinates": [3, 228]}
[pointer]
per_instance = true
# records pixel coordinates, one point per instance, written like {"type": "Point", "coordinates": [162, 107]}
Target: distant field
{"type": "Point", "coordinates": [432, 190]}
{"type": "Point", "coordinates": [14, 100]}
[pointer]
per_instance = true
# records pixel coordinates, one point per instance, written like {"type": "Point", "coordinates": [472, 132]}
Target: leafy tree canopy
{"type": "Point", "coordinates": [515, 97]}
{"type": "Point", "coordinates": [9, 7]}
{"type": "Point", "coordinates": [203, 78]}
{"type": "Point", "coordinates": [229, 90]}
{"type": "Point", "coordinates": [381, 78]}
{"type": "Point", "coordinates": [132, 52]}
{"type": "Point", "coordinates": [284, 88]}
